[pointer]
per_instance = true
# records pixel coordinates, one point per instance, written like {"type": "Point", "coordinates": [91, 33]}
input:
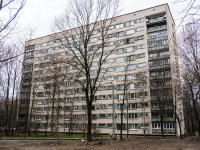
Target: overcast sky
{"type": "Point", "coordinates": [40, 14]}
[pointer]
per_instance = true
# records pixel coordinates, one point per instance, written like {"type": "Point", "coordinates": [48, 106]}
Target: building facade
{"type": "Point", "coordinates": [146, 56]}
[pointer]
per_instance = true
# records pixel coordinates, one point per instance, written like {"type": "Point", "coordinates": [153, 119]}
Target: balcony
{"type": "Point", "coordinates": [166, 131]}
{"type": "Point", "coordinates": [156, 20]}
{"type": "Point", "coordinates": [156, 109]}
{"type": "Point", "coordinates": [154, 98]}
{"type": "Point", "coordinates": [158, 48]}
{"type": "Point", "coordinates": [161, 67]}
{"type": "Point", "coordinates": [158, 38]}
{"type": "Point", "coordinates": [155, 29]}
{"type": "Point", "coordinates": [159, 77]}
{"type": "Point", "coordinates": [164, 119]}
{"type": "Point", "coordinates": [159, 57]}
{"type": "Point", "coordinates": [161, 87]}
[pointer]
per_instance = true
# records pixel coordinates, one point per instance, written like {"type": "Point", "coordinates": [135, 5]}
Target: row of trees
{"type": "Point", "coordinates": [9, 65]}
{"type": "Point", "coordinates": [189, 46]}
{"type": "Point", "coordinates": [95, 15]}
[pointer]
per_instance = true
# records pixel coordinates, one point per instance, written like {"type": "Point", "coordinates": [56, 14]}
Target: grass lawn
{"type": "Point", "coordinates": [40, 135]}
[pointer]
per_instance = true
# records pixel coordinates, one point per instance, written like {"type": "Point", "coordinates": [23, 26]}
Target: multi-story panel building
{"type": "Point", "coordinates": [146, 56]}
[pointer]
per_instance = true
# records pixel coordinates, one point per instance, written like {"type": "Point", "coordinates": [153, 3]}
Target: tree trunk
{"type": "Point", "coordinates": [89, 126]}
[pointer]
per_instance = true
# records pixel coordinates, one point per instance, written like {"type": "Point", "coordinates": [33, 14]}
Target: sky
{"type": "Point", "coordinates": [40, 14]}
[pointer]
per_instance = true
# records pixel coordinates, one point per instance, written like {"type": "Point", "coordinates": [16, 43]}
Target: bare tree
{"type": "Point", "coordinates": [10, 73]}
{"type": "Point", "coordinates": [53, 86]}
{"type": "Point", "coordinates": [9, 21]}
{"type": "Point", "coordinates": [190, 52]}
{"type": "Point", "coordinates": [85, 19]}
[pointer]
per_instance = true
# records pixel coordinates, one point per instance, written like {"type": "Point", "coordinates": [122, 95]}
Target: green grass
{"type": "Point", "coordinates": [39, 135]}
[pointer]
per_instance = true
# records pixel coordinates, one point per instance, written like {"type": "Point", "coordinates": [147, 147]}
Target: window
{"type": "Point", "coordinates": [69, 68]}
{"type": "Point", "coordinates": [132, 116]}
{"type": "Point", "coordinates": [145, 114]}
{"type": "Point", "coordinates": [111, 35]}
{"type": "Point", "coordinates": [157, 34]}
{"type": "Point", "coordinates": [93, 72]}
{"type": "Point", "coordinates": [128, 32]}
{"type": "Point", "coordinates": [94, 63]}
{"type": "Point", "coordinates": [120, 42]}
{"type": "Point", "coordinates": [119, 106]}
{"type": "Point", "coordinates": [68, 100]}
{"type": "Point", "coordinates": [110, 96]}
{"type": "Point", "coordinates": [102, 115]}
{"type": "Point", "coordinates": [142, 65]}
{"type": "Point", "coordinates": [103, 70]}
{"type": "Point", "coordinates": [129, 23]}
{"type": "Point", "coordinates": [120, 87]}
{"type": "Point", "coordinates": [141, 55]}
{"type": "Point", "coordinates": [142, 84]}
{"type": "Point", "coordinates": [132, 95]}
{"type": "Point", "coordinates": [29, 54]}
{"type": "Point", "coordinates": [119, 117]}
{"type": "Point", "coordinates": [142, 94]}
{"type": "Point", "coordinates": [131, 76]}
{"type": "Point", "coordinates": [120, 68]}
{"type": "Point", "coordinates": [31, 47]}
{"type": "Point", "coordinates": [110, 106]}
{"type": "Point", "coordinates": [121, 77]}
{"type": "Point", "coordinates": [130, 49]}
{"type": "Point", "coordinates": [83, 99]}
{"type": "Point", "coordinates": [75, 108]}
{"type": "Point", "coordinates": [38, 109]}
{"type": "Point", "coordinates": [38, 117]}
{"type": "Point", "coordinates": [68, 83]}
{"type": "Point", "coordinates": [75, 99]}
{"type": "Point", "coordinates": [120, 96]}
{"type": "Point", "coordinates": [140, 29]}
{"type": "Point", "coordinates": [111, 78]}
{"type": "Point", "coordinates": [111, 27]}
{"type": "Point", "coordinates": [133, 126]}
{"type": "Point", "coordinates": [140, 37]}
{"type": "Point", "coordinates": [120, 59]}
{"type": "Point", "coordinates": [110, 43]}
{"type": "Point", "coordinates": [110, 115]}
{"type": "Point", "coordinates": [67, 117]}
{"type": "Point", "coordinates": [130, 40]}
{"type": "Point", "coordinates": [110, 69]}
{"type": "Point", "coordinates": [133, 106]}
{"type": "Point", "coordinates": [120, 51]}
{"type": "Point", "coordinates": [44, 44]}
{"type": "Point", "coordinates": [157, 43]}
{"type": "Point", "coordinates": [101, 88]}
{"type": "Point", "coordinates": [102, 125]}
{"type": "Point", "coordinates": [94, 40]}
{"type": "Point", "coordinates": [119, 26]}
{"type": "Point", "coordinates": [67, 126]}
{"type": "Point", "coordinates": [110, 60]}
{"type": "Point", "coordinates": [141, 46]}
{"type": "Point", "coordinates": [131, 58]}
{"type": "Point", "coordinates": [120, 34]}
{"type": "Point", "coordinates": [102, 106]}
{"type": "Point", "coordinates": [131, 86]}
{"type": "Point", "coordinates": [153, 55]}
{"type": "Point", "coordinates": [29, 60]}
{"type": "Point", "coordinates": [94, 32]}
{"type": "Point", "coordinates": [139, 20]}
{"type": "Point", "coordinates": [82, 126]}
{"type": "Point", "coordinates": [131, 67]}
{"type": "Point", "coordinates": [68, 91]}
{"type": "Point", "coordinates": [102, 96]}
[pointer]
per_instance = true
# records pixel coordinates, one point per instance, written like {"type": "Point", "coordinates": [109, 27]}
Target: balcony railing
{"type": "Point", "coordinates": [156, 20]}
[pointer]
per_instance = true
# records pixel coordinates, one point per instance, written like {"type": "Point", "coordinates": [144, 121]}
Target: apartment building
{"type": "Point", "coordinates": [145, 55]}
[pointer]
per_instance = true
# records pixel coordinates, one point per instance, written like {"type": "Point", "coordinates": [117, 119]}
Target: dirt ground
{"type": "Point", "coordinates": [128, 144]}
